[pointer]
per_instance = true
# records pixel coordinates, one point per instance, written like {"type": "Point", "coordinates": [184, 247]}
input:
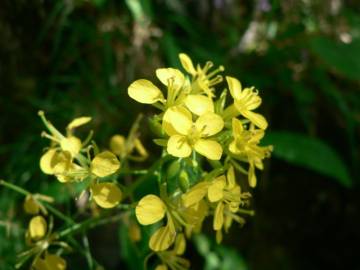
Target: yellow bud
{"type": "Point", "coordinates": [150, 209]}
{"type": "Point", "coordinates": [161, 267]}
{"type": "Point", "coordinates": [117, 144]}
{"type": "Point", "coordinates": [104, 164]}
{"type": "Point", "coordinates": [106, 195]}
{"type": "Point", "coordinates": [31, 206]}
{"type": "Point", "coordinates": [37, 227]}
{"type": "Point", "coordinates": [50, 262]}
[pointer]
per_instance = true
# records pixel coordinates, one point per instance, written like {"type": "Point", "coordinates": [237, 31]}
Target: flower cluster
{"type": "Point", "coordinates": [39, 236]}
{"type": "Point", "coordinates": [211, 149]}
{"type": "Point", "coordinates": [195, 125]}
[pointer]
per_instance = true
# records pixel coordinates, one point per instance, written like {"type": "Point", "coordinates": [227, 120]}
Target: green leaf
{"type": "Point", "coordinates": [310, 153]}
{"type": "Point", "coordinates": [218, 256]}
{"type": "Point", "coordinates": [339, 57]}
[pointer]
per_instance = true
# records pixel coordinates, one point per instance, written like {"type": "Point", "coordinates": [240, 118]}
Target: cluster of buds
{"type": "Point", "coordinates": [195, 125]}
{"type": "Point", "coordinates": [39, 236]}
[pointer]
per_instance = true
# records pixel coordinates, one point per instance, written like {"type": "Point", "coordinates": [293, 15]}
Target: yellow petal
{"type": "Point", "coordinates": [31, 206]}
{"type": "Point", "coordinates": [117, 144]}
{"type": "Point", "coordinates": [218, 216]}
{"type": "Point", "coordinates": [106, 195]}
{"type": "Point", "coordinates": [209, 124]}
{"type": "Point", "coordinates": [208, 148]}
{"type": "Point", "coordinates": [144, 91]}
{"type": "Point", "coordinates": [161, 267]}
{"type": "Point", "coordinates": [195, 194]}
{"type": "Point", "coordinates": [216, 189]}
{"type": "Point", "coordinates": [104, 164]}
{"type": "Point", "coordinates": [163, 238]}
{"type": "Point", "coordinates": [177, 146]}
{"type": "Point", "coordinates": [71, 144]}
{"type": "Point", "coordinates": [256, 118]}
{"type": "Point", "coordinates": [234, 87]}
{"type": "Point", "coordinates": [170, 76]}
{"type": "Point", "coordinates": [237, 127]}
{"type": "Point", "coordinates": [234, 148]}
{"type": "Point", "coordinates": [150, 209]}
{"type": "Point", "coordinates": [180, 119]}
{"type": "Point", "coordinates": [37, 227]}
{"type": "Point", "coordinates": [77, 122]}
{"type": "Point", "coordinates": [187, 63]}
{"type": "Point", "coordinates": [180, 244]}
{"type": "Point", "coordinates": [231, 177]}
{"type": "Point", "coordinates": [199, 104]}
{"type": "Point", "coordinates": [252, 176]}
{"type": "Point", "coordinates": [55, 262]}
{"type": "Point", "coordinates": [40, 264]}
{"type": "Point", "coordinates": [47, 161]}
{"type": "Point", "coordinates": [250, 99]}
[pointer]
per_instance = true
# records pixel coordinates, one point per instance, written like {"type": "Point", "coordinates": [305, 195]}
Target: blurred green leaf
{"type": "Point", "coordinates": [218, 256]}
{"type": "Point", "coordinates": [309, 152]}
{"type": "Point", "coordinates": [340, 57]}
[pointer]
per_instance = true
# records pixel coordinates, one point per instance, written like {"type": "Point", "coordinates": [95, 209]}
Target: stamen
{"type": "Point", "coordinates": [48, 136]}
{"type": "Point", "coordinates": [215, 71]}
{"type": "Point", "coordinates": [207, 66]}
{"type": "Point", "coordinates": [216, 80]}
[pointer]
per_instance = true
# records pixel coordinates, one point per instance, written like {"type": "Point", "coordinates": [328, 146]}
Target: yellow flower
{"type": "Point", "coordinates": [31, 206]}
{"type": "Point", "coordinates": [123, 147]}
{"type": "Point", "coordinates": [106, 195]}
{"type": "Point", "coordinates": [104, 164]}
{"type": "Point", "coordinates": [68, 143]}
{"type": "Point", "coordinates": [186, 135]}
{"type": "Point", "coordinates": [150, 210]}
{"type": "Point", "coordinates": [171, 258]}
{"type": "Point", "coordinates": [245, 147]}
{"type": "Point", "coordinates": [203, 80]}
{"type": "Point", "coordinates": [245, 101]}
{"type": "Point", "coordinates": [144, 91]}
{"type": "Point", "coordinates": [37, 228]}
{"type": "Point", "coordinates": [50, 262]}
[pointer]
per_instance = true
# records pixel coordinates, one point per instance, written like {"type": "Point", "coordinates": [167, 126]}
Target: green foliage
{"type": "Point", "coordinates": [309, 152]}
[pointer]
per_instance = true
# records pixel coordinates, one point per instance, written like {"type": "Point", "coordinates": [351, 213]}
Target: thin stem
{"type": "Point", "coordinates": [14, 187]}
{"type": "Point", "coordinates": [89, 224]}
{"type": "Point", "coordinates": [143, 178]}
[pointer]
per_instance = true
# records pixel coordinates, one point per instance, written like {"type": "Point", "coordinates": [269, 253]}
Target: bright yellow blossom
{"type": "Point", "coordinates": [245, 147]}
{"type": "Point", "coordinates": [245, 101]}
{"type": "Point", "coordinates": [50, 262]}
{"type": "Point", "coordinates": [203, 80]}
{"type": "Point", "coordinates": [185, 135]}
{"type": "Point", "coordinates": [104, 164]}
{"type": "Point", "coordinates": [37, 228]}
{"type": "Point", "coordinates": [150, 210]}
{"type": "Point", "coordinates": [106, 195]}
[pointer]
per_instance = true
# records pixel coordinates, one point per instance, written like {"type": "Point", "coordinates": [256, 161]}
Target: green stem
{"type": "Point", "coordinates": [89, 224]}
{"type": "Point", "coordinates": [142, 179]}
{"type": "Point", "coordinates": [14, 187]}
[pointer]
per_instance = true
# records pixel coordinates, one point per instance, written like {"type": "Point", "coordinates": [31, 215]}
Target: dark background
{"type": "Point", "coordinates": [72, 58]}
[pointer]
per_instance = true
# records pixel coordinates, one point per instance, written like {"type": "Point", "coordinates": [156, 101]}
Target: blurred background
{"type": "Point", "coordinates": [73, 57]}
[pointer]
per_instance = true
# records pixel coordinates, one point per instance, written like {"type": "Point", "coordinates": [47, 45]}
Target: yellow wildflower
{"type": "Point", "coordinates": [245, 101]}
{"type": "Point", "coordinates": [106, 195]}
{"type": "Point", "coordinates": [150, 210]}
{"type": "Point", "coordinates": [104, 164]}
{"type": "Point", "coordinates": [203, 80]}
{"type": "Point", "coordinates": [186, 135]}
{"type": "Point", "coordinates": [31, 206]}
{"type": "Point", "coordinates": [245, 147]}
{"type": "Point", "coordinates": [172, 258]}
{"type": "Point", "coordinates": [50, 262]}
{"type": "Point", "coordinates": [37, 228]}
